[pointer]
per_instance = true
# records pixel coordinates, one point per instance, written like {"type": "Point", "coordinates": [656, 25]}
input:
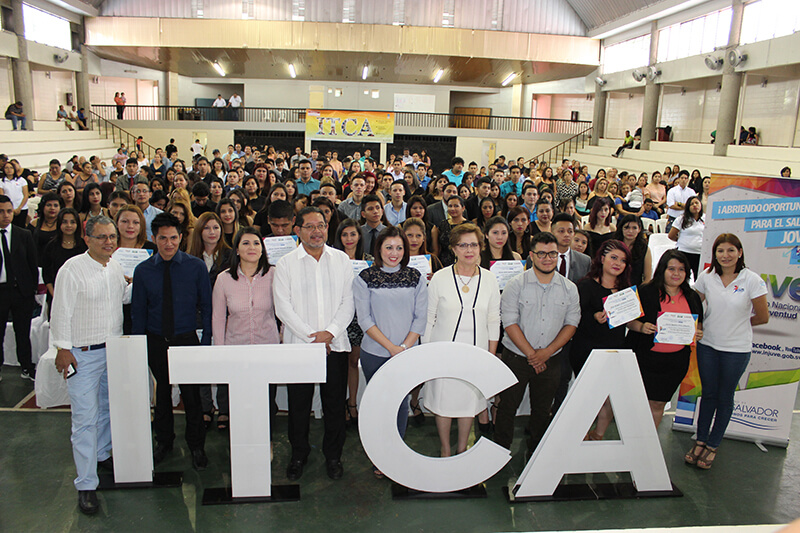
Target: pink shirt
{"type": "Point", "coordinates": [677, 305]}
{"type": "Point", "coordinates": [242, 310]}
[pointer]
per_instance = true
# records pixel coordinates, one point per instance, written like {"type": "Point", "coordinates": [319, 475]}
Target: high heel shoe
{"type": "Point", "coordinates": [353, 417]}
{"type": "Point", "coordinates": [416, 414]}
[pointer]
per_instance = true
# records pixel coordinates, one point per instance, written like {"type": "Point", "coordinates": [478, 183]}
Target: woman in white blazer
{"type": "Point", "coordinates": [464, 307]}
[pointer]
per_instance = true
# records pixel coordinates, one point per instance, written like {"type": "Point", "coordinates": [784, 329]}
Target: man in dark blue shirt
{"type": "Point", "coordinates": [170, 289]}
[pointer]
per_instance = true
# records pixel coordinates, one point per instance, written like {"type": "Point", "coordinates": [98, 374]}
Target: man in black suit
{"type": "Point", "coordinates": [438, 211]}
{"type": "Point", "coordinates": [19, 277]}
{"type": "Point", "coordinates": [482, 189]}
{"type": "Point", "coordinates": [574, 266]}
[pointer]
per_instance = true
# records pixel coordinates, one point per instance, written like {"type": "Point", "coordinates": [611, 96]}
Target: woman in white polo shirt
{"type": "Point", "coordinates": [16, 188]}
{"type": "Point", "coordinates": [736, 300]}
{"type": "Point", "coordinates": [688, 230]}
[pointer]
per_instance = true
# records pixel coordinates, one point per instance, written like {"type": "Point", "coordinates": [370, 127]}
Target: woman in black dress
{"type": "Point", "coordinates": [609, 272]}
{"type": "Point", "coordinates": [441, 233]}
{"type": "Point", "coordinates": [45, 226]}
{"type": "Point", "coordinates": [663, 366]}
{"type": "Point", "coordinates": [67, 243]}
{"type": "Point", "coordinates": [630, 231]}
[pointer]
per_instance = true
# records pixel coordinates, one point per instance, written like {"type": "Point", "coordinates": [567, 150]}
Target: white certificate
{"type": "Point", "coordinates": [130, 258]}
{"type": "Point", "coordinates": [358, 266]}
{"type": "Point", "coordinates": [676, 328]}
{"type": "Point", "coordinates": [622, 307]}
{"type": "Point", "coordinates": [277, 247]}
{"type": "Point", "coordinates": [505, 270]}
{"type": "Point", "coordinates": [421, 263]}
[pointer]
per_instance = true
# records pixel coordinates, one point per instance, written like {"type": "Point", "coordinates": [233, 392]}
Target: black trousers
{"type": "Point", "coordinates": [20, 307]}
{"type": "Point", "coordinates": [120, 112]}
{"type": "Point", "coordinates": [333, 394]}
{"type": "Point", "coordinates": [566, 376]}
{"type": "Point", "coordinates": [543, 388]}
{"type": "Point", "coordinates": [164, 423]}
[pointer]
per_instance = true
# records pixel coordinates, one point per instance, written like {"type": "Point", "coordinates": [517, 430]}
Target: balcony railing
{"type": "Point", "coordinates": [298, 116]}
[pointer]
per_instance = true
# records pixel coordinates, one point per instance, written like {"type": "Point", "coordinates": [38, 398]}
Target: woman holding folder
{"type": "Point", "coordinates": [664, 365]}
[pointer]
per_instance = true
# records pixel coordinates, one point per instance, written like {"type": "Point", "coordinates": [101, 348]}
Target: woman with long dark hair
{"type": "Point", "coordinates": [609, 272]}
{"type": "Point", "coordinates": [599, 227]}
{"type": "Point", "coordinates": [736, 301]}
{"type": "Point", "coordinates": [487, 209]}
{"type": "Point", "coordinates": [93, 203]}
{"type": "Point", "coordinates": [519, 238]}
{"type": "Point", "coordinates": [441, 233]}
{"type": "Point", "coordinates": [16, 188]}
{"type": "Point", "coordinates": [496, 231]}
{"type": "Point", "coordinates": [45, 226]}
{"type": "Point", "coordinates": [67, 243]}
{"type": "Point", "coordinates": [631, 232]}
{"type": "Point", "coordinates": [663, 366]}
{"type": "Point", "coordinates": [242, 306]}
{"type": "Point", "coordinates": [687, 230]}
{"type": "Point", "coordinates": [331, 216]}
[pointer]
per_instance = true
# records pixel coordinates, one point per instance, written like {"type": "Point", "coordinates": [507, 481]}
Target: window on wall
{"type": "Point", "coordinates": [767, 19]}
{"type": "Point", "coordinates": [627, 54]}
{"type": "Point", "coordinates": [44, 28]}
{"type": "Point", "coordinates": [693, 37]}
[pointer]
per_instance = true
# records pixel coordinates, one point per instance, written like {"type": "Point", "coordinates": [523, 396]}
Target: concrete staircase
{"type": "Point", "coordinates": [746, 160]}
{"type": "Point", "coordinates": [52, 140]}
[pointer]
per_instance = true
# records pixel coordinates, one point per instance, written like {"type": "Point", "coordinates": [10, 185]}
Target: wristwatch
{"type": "Point", "coordinates": [403, 346]}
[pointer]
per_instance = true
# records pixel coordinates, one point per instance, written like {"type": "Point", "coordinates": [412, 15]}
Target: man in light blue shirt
{"type": "Point", "coordinates": [515, 184]}
{"type": "Point", "coordinates": [396, 209]}
{"type": "Point", "coordinates": [456, 172]}
{"type": "Point", "coordinates": [306, 184]}
{"type": "Point", "coordinates": [141, 197]}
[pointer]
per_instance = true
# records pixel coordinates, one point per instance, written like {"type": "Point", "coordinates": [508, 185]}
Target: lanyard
{"type": "Point", "coordinates": [461, 301]}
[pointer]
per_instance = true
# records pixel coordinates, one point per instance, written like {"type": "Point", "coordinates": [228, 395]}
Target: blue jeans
{"type": "Point", "coordinates": [719, 374]}
{"type": "Point", "coordinates": [15, 120]}
{"type": "Point", "coordinates": [370, 364]}
{"type": "Point", "coordinates": [91, 423]}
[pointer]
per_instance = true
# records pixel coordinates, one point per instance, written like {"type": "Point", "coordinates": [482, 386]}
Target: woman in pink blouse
{"type": "Point", "coordinates": [242, 307]}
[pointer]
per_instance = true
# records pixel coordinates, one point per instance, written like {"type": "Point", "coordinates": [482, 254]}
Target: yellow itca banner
{"type": "Point", "coordinates": [354, 126]}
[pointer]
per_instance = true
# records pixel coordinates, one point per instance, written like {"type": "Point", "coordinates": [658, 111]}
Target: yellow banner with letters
{"type": "Point", "coordinates": [350, 126]}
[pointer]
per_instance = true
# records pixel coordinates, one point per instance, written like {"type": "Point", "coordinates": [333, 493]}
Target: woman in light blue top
{"type": "Point", "coordinates": [391, 301]}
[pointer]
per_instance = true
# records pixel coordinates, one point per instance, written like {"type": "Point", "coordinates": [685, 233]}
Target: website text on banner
{"type": "Point", "coordinates": [765, 214]}
{"type": "Point", "coordinates": [353, 126]}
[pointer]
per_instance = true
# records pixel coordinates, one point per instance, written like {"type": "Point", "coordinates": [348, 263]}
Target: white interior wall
{"type": "Point", "coordinates": [623, 112]}
{"type": "Point", "coordinates": [50, 92]}
{"type": "Point", "coordinates": [562, 106]}
{"type": "Point", "coordinates": [771, 109]}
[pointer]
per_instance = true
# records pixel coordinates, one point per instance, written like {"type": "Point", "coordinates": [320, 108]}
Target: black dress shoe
{"type": "Point", "coordinates": [87, 501]}
{"type": "Point", "coordinates": [107, 464]}
{"type": "Point", "coordinates": [334, 468]}
{"type": "Point", "coordinates": [199, 460]}
{"type": "Point", "coordinates": [295, 469]}
{"type": "Point", "coordinates": [161, 452]}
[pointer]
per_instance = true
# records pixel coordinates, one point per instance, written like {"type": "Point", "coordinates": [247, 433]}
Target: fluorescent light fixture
{"type": "Point", "coordinates": [642, 17]}
{"type": "Point", "coordinates": [509, 78]}
{"type": "Point", "coordinates": [218, 68]}
{"type": "Point", "coordinates": [438, 76]}
{"type": "Point", "coordinates": [292, 72]}
{"type": "Point", "coordinates": [364, 72]}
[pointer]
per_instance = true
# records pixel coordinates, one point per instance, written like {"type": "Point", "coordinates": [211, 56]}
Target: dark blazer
{"type": "Point", "coordinates": [578, 266]}
{"type": "Point", "coordinates": [23, 261]}
{"type": "Point", "coordinates": [436, 213]}
{"type": "Point", "coordinates": [651, 305]}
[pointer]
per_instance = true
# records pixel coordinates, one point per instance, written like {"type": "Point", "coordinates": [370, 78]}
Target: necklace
{"type": "Point", "coordinates": [464, 285]}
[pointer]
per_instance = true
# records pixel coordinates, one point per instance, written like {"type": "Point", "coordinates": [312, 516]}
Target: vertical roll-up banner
{"type": "Point", "coordinates": [765, 214]}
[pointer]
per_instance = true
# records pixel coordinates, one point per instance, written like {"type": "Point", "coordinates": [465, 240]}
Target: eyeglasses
{"type": "Point", "coordinates": [542, 255]}
{"type": "Point", "coordinates": [467, 245]}
{"type": "Point", "coordinates": [104, 238]}
{"type": "Point", "coordinates": [311, 227]}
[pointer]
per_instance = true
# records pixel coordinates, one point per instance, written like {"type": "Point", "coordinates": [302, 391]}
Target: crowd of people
{"type": "Point", "coordinates": [210, 279]}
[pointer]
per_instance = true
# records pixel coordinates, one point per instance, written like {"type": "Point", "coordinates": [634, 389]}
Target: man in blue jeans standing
{"type": "Point", "coordinates": [87, 310]}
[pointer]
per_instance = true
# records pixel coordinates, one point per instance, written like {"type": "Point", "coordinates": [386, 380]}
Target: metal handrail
{"type": "Point", "coordinates": [119, 133]}
{"type": "Point", "coordinates": [298, 116]}
{"type": "Point", "coordinates": [565, 149]}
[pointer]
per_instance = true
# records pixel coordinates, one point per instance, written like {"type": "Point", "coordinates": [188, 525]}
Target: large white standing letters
{"type": "Point", "coordinates": [377, 420]}
{"type": "Point", "coordinates": [249, 370]}
{"type": "Point", "coordinates": [606, 374]}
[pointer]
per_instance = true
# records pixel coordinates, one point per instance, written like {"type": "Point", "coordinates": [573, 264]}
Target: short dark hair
{"type": "Point", "coordinates": [512, 167]}
{"type": "Point", "coordinates": [456, 161]}
{"type": "Point", "coordinates": [683, 173]}
{"type": "Point", "coordinates": [562, 217]}
{"type": "Point", "coordinates": [300, 218]}
{"type": "Point", "coordinates": [132, 161]}
{"type": "Point", "coordinates": [485, 179]}
{"type": "Point", "coordinates": [165, 220]}
{"type": "Point", "coordinates": [55, 162]}
{"type": "Point", "coordinates": [157, 197]}
{"type": "Point", "coordinates": [280, 209]}
{"type": "Point", "coordinates": [543, 237]}
{"type": "Point", "coordinates": [387, 233]}
{"type": "Point", "coordinates": [370, 198]}
{"type": "Point", "coordinates": [5, 199]}
{"type": "Point", "coordinates": [304, 162]}
{"type": "Point", "coordinates": [201, 189]}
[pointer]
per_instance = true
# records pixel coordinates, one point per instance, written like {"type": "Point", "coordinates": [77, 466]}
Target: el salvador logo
{"type": "Point", "coordinates": [737, 288]}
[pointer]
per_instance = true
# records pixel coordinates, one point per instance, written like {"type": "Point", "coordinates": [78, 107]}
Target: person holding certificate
{"type": "Point", "coordinates": [132, 236]}
{"type": "Point", "coordinates": [497, 247]}
{"type": "Point", "coordinates": [663, 365]}
{"type": "Point", "coordinates": [736, 300]}
{"type": "Point", "coordinates": [609, 273]}
{"type": "Point", "coordinates": [391, 302]}
{"type": "Point", "coordinates": [463, 306]}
